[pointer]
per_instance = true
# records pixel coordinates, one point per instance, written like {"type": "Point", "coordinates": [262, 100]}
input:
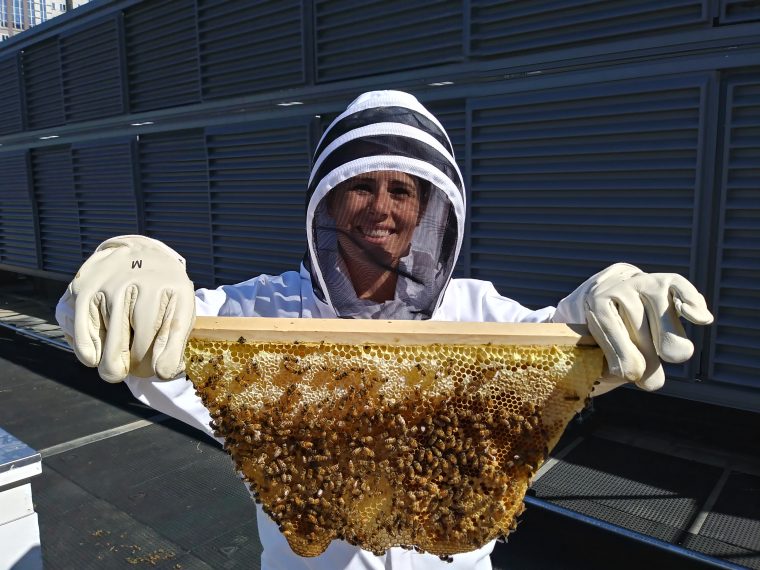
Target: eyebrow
{"type": "Point", "coordinates": [371, 180]}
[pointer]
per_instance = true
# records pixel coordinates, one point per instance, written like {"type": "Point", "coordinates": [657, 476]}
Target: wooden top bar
{"type": "Point", "coordinates": [370, 331]}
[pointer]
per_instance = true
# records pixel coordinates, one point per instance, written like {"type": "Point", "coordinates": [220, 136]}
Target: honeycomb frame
{"type": "Point", "coordinates": [416, 434]}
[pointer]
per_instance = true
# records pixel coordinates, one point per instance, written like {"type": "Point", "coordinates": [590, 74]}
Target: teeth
{"type": "Point", "coordinates": [376, 233]}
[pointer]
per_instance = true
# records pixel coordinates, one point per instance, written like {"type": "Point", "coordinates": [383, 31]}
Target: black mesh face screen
{"type": "Point", "coordinates": [381, 245]}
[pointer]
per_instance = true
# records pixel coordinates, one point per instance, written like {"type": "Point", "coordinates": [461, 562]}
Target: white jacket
{"type": "Point", "coordinates": [291, 295]}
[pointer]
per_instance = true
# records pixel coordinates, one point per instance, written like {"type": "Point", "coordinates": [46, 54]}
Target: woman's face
{"type": "Point", "coordinates": [376, 212]}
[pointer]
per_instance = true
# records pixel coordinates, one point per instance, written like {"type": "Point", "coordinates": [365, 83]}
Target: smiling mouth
{"type": "Point", "coordinates": [373, 234]}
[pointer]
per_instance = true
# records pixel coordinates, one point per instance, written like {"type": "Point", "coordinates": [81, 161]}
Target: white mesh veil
{"type": "Point", "coordinates": [386, 210]}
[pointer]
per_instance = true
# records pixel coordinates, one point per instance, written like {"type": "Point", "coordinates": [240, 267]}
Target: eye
{"type": "Point", "coordinates": [402, 191]}
{"type": "Point", "coordinates": [362, 187]}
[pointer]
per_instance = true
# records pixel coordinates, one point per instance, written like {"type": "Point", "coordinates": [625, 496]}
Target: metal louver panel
{"type": "Point", "coordinates": [42, 85]}
{"type": "Point", "coordinates": [249, 47]}
{"type": "Point", "coordinates": [453, 117]}
{"type": "Point", "coordinates": [57, 209]}
{"type": "Point", "coordinates": [735, 11]}
{"type": "Point", "coordinates": [162, 54]}
{"type": "Point", "coordinates": [499, 28]}
{"type": "Point", "coordinates": [11, 117]}
{"type": "Point", "coordinates": [367, 38]}
{"type": "Point", "coordinates": [17, 238]}
{"type": "Point", "coordinates": [104, 192]}
{"type": "Point", "coordinates": [258, 179]}
{"type": "Point", "coordinates": [735, 339]}
{"type": "Point", "coordinates": [567, 181]}
{"type": "Point", "coordinates": [174, 188]}
{"type": "Point", "coordinates": [91, 73]}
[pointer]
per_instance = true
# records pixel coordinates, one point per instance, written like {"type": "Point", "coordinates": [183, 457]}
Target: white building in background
{"type": "Point", "coordinates": [19, 15]}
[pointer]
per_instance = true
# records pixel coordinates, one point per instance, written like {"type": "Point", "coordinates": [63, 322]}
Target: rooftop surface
{"type": "Point", "coordinates": [125, 487]}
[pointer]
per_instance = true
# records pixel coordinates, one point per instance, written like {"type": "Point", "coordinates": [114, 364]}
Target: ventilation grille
{"type": "Point", "coordinates": [249, 47]}
{"type": "Point", "coordinates": [500, 28]}
{"type": "Point", "coordinates": [104, 192]}
{"type": "Point", "coordinates": [566, 182]}
{"type": "Point", "coordinates": [91, 73]}
{"type": "Point", "coordinates": [11, 116]}
{"type": "Point", "coordinates": [162, 54]}
{"type": "Point", "coordinates": [175, 198]}
{"type": "Point", "coordinates": [258, 185]}
{"type": "Point", "coordinates": [17, 239]}
{"type": "Point", "coordinates": [736, 11]}
{"type": "Point", "coordinates": [381, 36]}
{"type": "Point", "coordinates": [57, 208]}
{"type": "Point", "coordinates": [42, 85]}
{"type": "Point", "coordinates": [736, 334]}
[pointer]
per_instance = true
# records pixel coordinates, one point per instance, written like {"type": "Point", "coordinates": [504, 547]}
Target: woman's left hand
{"type": "Point", "coordinates": [634, 317]}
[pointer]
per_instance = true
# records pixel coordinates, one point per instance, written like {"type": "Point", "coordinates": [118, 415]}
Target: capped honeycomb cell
{"type": "Point", "coordinates": [382, 444]}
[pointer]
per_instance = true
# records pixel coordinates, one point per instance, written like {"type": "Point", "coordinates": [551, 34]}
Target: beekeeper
{"type": "Point", "coordinates": [384, 225]}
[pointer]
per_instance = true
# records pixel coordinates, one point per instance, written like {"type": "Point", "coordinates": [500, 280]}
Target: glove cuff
{"type": "Point", "coordinates": [572, 309]}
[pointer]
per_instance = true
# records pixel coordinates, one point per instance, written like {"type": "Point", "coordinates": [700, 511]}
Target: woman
{"type": "Point", "coordinates": [384, 222]}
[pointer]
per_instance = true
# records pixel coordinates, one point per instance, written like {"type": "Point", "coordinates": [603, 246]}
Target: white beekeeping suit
{"type": "Point", "coordinates": [384, 225]}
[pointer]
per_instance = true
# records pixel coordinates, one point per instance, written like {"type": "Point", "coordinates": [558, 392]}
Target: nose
{"type": "Point", "coordinates": [381, 202]}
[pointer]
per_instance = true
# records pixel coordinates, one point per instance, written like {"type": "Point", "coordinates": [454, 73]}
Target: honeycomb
{"type": "Point", "coordinates": [430, 447]}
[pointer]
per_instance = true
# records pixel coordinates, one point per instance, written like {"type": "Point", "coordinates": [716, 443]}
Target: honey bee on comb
{"type": "Point", "coordinates": [428, 446]}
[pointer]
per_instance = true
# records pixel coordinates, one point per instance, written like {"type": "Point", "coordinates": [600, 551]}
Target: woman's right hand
{"type": "Point", "coordinates": [130, 309]}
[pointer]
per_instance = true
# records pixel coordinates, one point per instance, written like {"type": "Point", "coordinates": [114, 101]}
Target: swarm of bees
{"type": "Point", "coordinates": [424, 447]}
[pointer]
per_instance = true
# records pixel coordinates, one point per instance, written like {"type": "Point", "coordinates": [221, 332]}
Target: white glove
{"type": "Point", "coordinates": [130, 309]}
{"type": "Point", "coordinates": [634, 317]}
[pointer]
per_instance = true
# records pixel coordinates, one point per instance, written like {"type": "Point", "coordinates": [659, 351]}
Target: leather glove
{"type": "Point", "coordinates": [634, 317]}
{"type": "Point", "coordinates": [130, 309]}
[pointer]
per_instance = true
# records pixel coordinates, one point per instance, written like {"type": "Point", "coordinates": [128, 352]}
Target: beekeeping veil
{"type": "Point", "coordinates": [386, 202]}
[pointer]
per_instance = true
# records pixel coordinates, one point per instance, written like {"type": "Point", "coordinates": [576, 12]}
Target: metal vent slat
{"type": "Point", "coordinates": [258, 183]}
{"type": "Point", "coordinates": [380, 37]}
{"type": "Point", "coordinates": [57, 209]}
{"type": "Point", "coordinates": [453, 117]}
{"type": "Point", "coordinates": [735, 336]}
{"type": "Point", "coordinates": [17, 239]}
{"type": "Point", "coordinates": [565, 182]}
{"type": "Point", "coordinates": [736, 11]}
{"type": "Point", "coordinates": [174, 187]}
{"type": "Point", "coordinates": [500, 28]}
{"type": "Point", "coordinates": [104, 192]}
{"type": "Point", "coordinates": [42, 85]}
{"type": "Point", "coordinates": [91, 71]}
{"type": "Point", "coordinates": [11, 116]}
{"type": "Point", "coordinates": [249, 47]}
{"type": "Point", "coordinates": [162, 54]}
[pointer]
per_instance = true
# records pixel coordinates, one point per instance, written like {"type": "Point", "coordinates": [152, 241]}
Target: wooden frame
{"type": "Point", "coordinates": [368, 331]}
